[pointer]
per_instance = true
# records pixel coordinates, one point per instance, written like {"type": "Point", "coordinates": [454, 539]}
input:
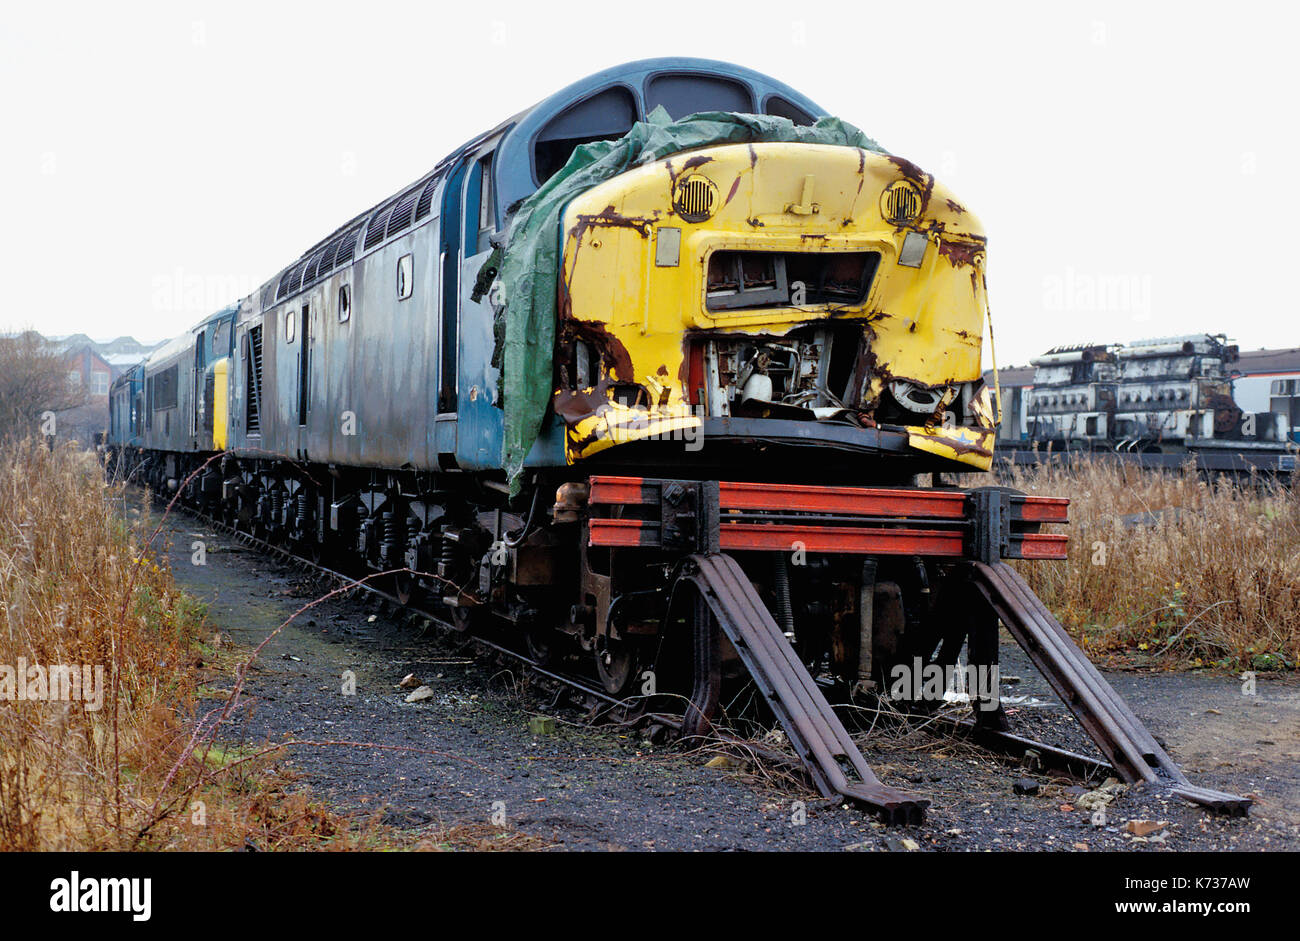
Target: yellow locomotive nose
{"type": "Point", "coordinates": [779, 281]}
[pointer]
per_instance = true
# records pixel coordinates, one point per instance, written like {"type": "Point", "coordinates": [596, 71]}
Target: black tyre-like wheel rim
{"type": "Point", "coordinates": [616, 666]}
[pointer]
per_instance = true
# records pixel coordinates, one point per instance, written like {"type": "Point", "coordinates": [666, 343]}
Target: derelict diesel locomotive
{"type": "Point", "coordinates": [646, 376]}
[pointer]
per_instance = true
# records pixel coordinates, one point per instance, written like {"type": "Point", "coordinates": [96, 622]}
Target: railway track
{"type": "Point", "coordinates": [809, 718]}
{"type": "Point", "coordinates": [726, 603]}
{"type": "Point", "coordinates": [364, 584]}
{"type": "Point", "coordinates": [624, 712]}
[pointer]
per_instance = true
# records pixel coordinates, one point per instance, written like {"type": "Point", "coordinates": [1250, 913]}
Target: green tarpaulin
{"type": "Point", "coordinates": [528, 261]}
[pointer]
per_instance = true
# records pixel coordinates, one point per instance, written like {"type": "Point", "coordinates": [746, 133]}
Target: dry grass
{"type": "Point", "coordinates": [149, 769]}
{"type": "Point", "coordinates": [1214, 580]}
{"type": "Point", "coordinates": [1211, 577]}
{"type": "Point", "coordinates": [79, 588]}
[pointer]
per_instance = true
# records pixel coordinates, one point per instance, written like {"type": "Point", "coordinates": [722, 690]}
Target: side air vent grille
{"type": "Point", "coordinates": [401, 217]}
{"type": "Point", "coordinates": [375, 231]}
{"type": "Point", "coordinates": [389, 219]}
{"type": "Point", "coordinates": [289, 282]}
{"type": "Point", "coordinates": [425, 204]}
{"type": "Point", "coordinates": [209, 396]}
{"type": "Point", "coordinates": [347, 246]}
{"type": "Point", "coordinates": [253, 372]}
{"type": "Point", "coordinates": [313, 266]}
{"type": "Point", "coordinates": [327, 257]}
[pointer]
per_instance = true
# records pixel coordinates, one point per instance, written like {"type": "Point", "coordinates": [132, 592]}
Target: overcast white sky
{"type": "Point", "coordinates": [1134, 168]}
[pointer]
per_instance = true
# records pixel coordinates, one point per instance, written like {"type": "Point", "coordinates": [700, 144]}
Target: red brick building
{"type": "Point", "coordinates": [90, 371]}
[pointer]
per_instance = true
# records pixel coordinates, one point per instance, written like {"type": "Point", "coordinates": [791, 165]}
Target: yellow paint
{"type": "Point", "coordinates": [220, 403]}
{"type": "Point", "coordinates": [615, 423]}
{"type": "Point", "coordinates": [927, 321]}
{"type": "Point", "coordinates": [984, 407]}
{"type": "Point", "coordinates": [972, 446]}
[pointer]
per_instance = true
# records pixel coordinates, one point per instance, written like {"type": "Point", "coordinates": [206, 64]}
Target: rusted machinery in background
{"type": "Point", "coordinates": [1158, 403]}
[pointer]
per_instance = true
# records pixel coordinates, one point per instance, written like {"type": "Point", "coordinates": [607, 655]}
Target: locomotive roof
{"type": "Point", "coordinates": [173, 348]}
{"type": "Point", "coordinates": [514, 172]}
{"type": "Point", "coordinates": [513, 168]}
{"type": "Point", "coordinates": [516, 178]}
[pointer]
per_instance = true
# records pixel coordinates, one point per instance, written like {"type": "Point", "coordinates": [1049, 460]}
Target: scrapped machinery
{"type": "Point", "coordinates": [647, 381]}
{"type": "Point", "coordinates": [1164, 403]}
{"type": "Point", "coordinates": [1170, 394]}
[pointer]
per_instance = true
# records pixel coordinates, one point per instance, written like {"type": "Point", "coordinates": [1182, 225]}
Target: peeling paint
{"type": "Point", "coordinates": [922, 324]}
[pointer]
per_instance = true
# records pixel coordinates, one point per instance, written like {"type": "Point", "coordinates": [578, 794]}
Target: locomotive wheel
{"type": "Point", "coordinates": [404, 587]}
{"type": "Point", "coordinates": [465, 618]}
{"type": "Point", "coordinates": [616, 663]}
{"type": "Point", "coordinates": [538, 642]}
{"type": "Point", "coordinates": [314, 551]}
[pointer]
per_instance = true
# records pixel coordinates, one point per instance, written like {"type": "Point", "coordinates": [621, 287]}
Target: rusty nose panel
{"type": "Point", "coordinates": [635, 285]}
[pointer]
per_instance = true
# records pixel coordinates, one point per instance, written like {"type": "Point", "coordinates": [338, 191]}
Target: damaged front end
{"type": "Point", "coordinates": [814, 287]}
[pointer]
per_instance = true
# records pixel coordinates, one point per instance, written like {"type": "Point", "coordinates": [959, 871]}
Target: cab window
{"type": "Point", "coordinates": [606, 115]}
{"type": "Point", "coordinates": [685, 93]}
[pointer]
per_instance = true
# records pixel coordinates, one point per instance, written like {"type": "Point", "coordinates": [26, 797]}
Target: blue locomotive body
{"type": "Point", "coordinates": [369, 351]}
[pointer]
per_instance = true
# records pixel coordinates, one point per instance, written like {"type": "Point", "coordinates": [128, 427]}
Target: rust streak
{"type": "Point", "coordinates": [732, 192]}
{"type": "Point", "coordinates": [962, 252]}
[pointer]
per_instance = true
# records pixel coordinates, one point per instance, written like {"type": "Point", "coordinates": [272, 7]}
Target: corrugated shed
{"type": "Point", "coordinates": [1255, 362]}
{"type": "Point", "coordinates": [1014, 376]}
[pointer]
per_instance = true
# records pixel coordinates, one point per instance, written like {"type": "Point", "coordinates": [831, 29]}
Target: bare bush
{"type": "Point", "coordinates": [33, 381]}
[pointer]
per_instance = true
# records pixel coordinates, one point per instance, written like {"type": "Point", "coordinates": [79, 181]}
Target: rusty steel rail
{"type": "Point", "coordinates": [1131, 749]}
{"type": "Point", "coordinates": [726, 600]}
{"type": "Point", "coordinates": [818, 736]}
{"type": "Point", "coordinates": [1082, 767]}
{"type": "Point", "coordinates": [632, 707]}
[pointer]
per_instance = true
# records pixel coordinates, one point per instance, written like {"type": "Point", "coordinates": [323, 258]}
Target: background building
{"type": "Point", "coordinates": [92, 366]}
{"type": "Point", "coordinates": [90, 371]}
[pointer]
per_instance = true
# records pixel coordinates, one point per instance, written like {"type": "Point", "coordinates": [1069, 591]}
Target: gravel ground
{"type": "Point", "coordinates": [467, 754]}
